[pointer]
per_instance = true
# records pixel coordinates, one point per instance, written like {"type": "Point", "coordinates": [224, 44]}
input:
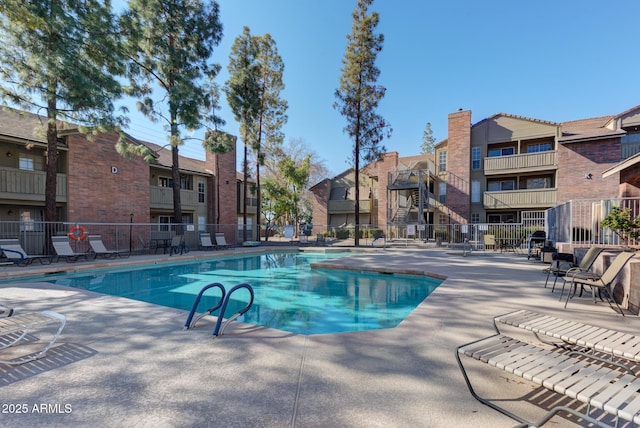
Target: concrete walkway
{"type": "Point", "coordinates": [122, 363]}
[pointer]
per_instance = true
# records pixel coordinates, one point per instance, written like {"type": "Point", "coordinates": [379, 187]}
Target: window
{"type": "Point", "coordinates": [498, 186]}
{"type": "Point", "coordinates": [201, 192]}
{"type": "Point", "coordinates": [539, 147]}
{"type": "Point", "coordinates": [442, 192]}
{"type": "Point", "coordinates": [475, 158]}
{"type": "Point", "coordinates": [504, 151]}
{"type": "Point", "coordinates": [338, 193]}
{"type": "Point", "coordinates": [26, 163]}
{"type": "Point", "coordinates": [475, 218]}
{"type": "Point", "coordinates": [442, 161]}
{"type": "Point", "coordinates": [475, 191]}
{"type": "Point", "coordinates": [31, 220]}
{"type": "Point", "coordinates": [165, 182]}
{"type": "Point", "coordinates": [442, 219]}
{"type": "Point", "coordinates": [538, 183]}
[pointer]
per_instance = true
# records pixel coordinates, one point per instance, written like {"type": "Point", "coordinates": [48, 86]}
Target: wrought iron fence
{"type": "Point", "coordinates": [133, 237]}
{"type": "Point", "coordinates": [579, 222]}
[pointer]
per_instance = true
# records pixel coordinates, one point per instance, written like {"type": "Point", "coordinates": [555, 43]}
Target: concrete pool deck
{"type": "Point", "coordinates": [122, 363]}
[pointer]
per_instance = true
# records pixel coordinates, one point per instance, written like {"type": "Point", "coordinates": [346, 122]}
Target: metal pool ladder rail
{"type": "Point", "coordinates": [222, 305]}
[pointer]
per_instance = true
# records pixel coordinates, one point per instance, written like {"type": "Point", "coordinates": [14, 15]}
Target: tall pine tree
{"type": "Point", "coordinates": [169, 46]}
{"type": "Point", "coordinates": [358, 95]}
{"type": "Point", "coordinates": [60, 57]}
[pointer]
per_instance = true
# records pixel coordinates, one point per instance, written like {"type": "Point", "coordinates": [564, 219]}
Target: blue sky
{"type": "Point", "coordinates": [545, 59]}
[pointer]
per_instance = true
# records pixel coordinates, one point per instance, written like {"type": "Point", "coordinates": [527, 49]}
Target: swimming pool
{"type": "Point", "coordinates": [289, 295]}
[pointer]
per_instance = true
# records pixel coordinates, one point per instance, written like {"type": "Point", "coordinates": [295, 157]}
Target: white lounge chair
{"type": "Point", "coordinates": [16, 328]}
{"type": "Point", "coordinates": [63, 249]}
{"type": "Point", "coordinates": [17, 255]}
{"type": "Point", "coordinates": [221, 242]}
{"type": "Point", "coordinates": [97, 246]}
{"type": "Point", "coordinates": [205, 242]}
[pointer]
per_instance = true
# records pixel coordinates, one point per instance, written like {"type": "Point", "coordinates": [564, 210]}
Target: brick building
{"type": "Point", "coordinates": [494, 171]}
{"type": "Point", "coordinates": [97, 184]}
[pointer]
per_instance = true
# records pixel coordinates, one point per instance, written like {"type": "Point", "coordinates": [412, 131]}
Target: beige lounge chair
{"type": "Point", "coordinates": [489, 241]}
{"type": "Point", "coordinates": [16, 328]}
{"type": "Point", "coordinates": [97, 246]}
{"type": "Point", "coordinates": [63, 249]}
{"type": "Point", "coordinates": [221, 242]}
{"type": "Point", "coordinates": [15, 253]}
{"type": "Point", "coordinates": [562, 268]}
{"type": "Point", "coordinates": [205, 242]}
{"type": "Point", "coordinates": [600, 282]}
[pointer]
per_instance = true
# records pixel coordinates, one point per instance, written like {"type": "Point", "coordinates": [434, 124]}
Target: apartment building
{"type": "Point", "coordinates": [97, 184]}
{"type": "Point", "coordinates": [497, 170]}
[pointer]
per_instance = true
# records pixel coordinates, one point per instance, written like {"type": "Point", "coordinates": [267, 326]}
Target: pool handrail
{"type": "Point", "coordinates": [217, 331]}
{"type": "Point", "coordinates": [188, 324]}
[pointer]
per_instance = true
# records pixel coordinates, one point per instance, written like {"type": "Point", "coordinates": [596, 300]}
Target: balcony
{"type": "Point", "coordinates": [526, 162]}
{"type": "Point", "coordinates": [22, 185]}
{"type": "Point", "coordinates": [348, 206]}
{"type": "Point", "coordinates": [533, 198]}
{"type": "Point", "coordinates": [162, 198]}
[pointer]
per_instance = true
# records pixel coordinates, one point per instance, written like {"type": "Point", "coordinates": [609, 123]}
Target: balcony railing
{"type": "Point", "coordinates": [162, 198]}
{"type": "Point", "coordinates": [525, 162]}
{"type": "Point", "coordinates": [29, 185]}
{"type": "Point", "coordinates": [348, 206]}
{"type": "Point", "coordinates": [533, 198]}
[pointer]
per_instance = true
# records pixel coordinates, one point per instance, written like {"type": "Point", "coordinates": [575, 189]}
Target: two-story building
{"type": "Point", "coordinates": [495, 171]}
{"type": "Point", "coordinates": [97, 184]}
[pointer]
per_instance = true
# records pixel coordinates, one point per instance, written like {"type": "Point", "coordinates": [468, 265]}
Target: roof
{"type": "Point", "coordinates": [588, 129]}
{"type": "Point", "coordinates": [22, 125]}
{"type": "Point", "coordinates": [164, 158]}
{"type": "Point", "coordinates": [515, 116]}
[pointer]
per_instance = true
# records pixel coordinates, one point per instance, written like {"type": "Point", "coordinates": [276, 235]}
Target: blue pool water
{"type": "Point", "coordinates": [289, 295]}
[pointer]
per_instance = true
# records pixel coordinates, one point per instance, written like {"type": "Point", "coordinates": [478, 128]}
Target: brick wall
{"type": "Point", "coordinates": [630, 182]}
{"type": "Point", "coordinates": [224, 171]}
{"type": "Point", "coordinates": [320, 202]}
{"type": "Point", "coordinates": [381, 169]}
{"type": "Point", "coordinates": [458, 166]}
{"type": "Point", "coordinates": [575, 160]}
{"type": "Point", "coordinates": [104, 186]}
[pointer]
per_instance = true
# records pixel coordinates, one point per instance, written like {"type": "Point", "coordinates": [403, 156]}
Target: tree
{"type": "Point", "coordinates": [243, 95]}
{"type": "Point", "coordinates": [358, 95]}
{"type": "Point", "coordinates": [169, 45]}
{"type": "Point", "coordinates": [60, 57]}
{"type": "Point", "coordinates": [284, 191]}
{"type": "Point", "coordinates": [258, 56]}
{"type": "Point", "coordinates": [428, 141]}
{"type": "Point", "coordinates": [623, 224]}
{"type": "Point", "coordinates": [267, 135]}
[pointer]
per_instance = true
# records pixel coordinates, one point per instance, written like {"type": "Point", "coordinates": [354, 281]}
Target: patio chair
{"type": "Point", "coordinates": [600, 282]}
{"type": "Point", "coordinates": [97, 246]}
{"type": "Point", "coordinates": [63, 249]}
{"type": "Point", "coordinates": [221, 242]}
{"type": "Point", "coordinates": [562, 267]}
{"type": "Point", "coordinates": [178, 246]}
{"type": "Point", "coordinates": [18, 327]}
{"type": "Point", "coordinates": [15, 253]}
{"type": "Point", "coordinates": [489, 241]}
{"type": "Point", "coordinates": [205, 242]}
{"type": "Point", "coordinates": [513, 245]}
